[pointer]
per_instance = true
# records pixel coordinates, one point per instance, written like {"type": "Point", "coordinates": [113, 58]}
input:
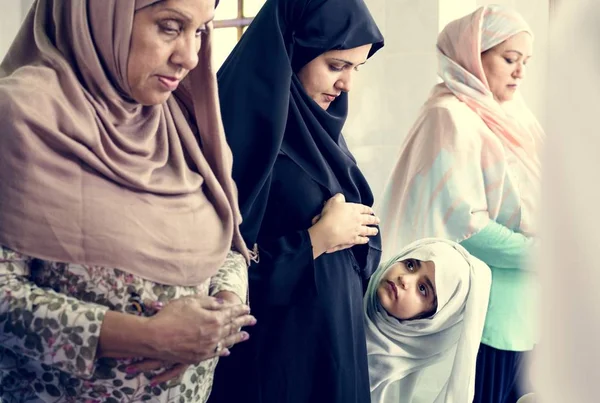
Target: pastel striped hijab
{"type": "Point", "coordinates": [461, 167]}
{"type": "Point", "coordinates": [459, 50]}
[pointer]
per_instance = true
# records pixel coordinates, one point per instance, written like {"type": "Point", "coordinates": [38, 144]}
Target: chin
{"type": "Point", "coordinates": [150, 99]}
{"type": "Point", "coordinates": [505, 97]}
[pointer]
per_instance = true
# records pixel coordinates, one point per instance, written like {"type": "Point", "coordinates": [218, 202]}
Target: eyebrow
{"type": "Point", "coordinates": [182, 14]}
{"type": "Point", "coordinates": [188, 18]}
{"type": "Point", "coordinates": [348, 62]}
{"type": "Point", "coordinates": [515, 51]}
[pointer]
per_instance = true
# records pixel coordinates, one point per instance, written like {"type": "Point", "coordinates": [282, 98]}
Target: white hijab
{"type": "Point", "coordinates": [429, 360]}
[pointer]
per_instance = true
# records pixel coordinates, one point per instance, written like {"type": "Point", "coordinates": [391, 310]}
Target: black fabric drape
{"type": "Point", "coordinates": [289, 159]}
{"type": "Point", "coordinates": [266, 111]}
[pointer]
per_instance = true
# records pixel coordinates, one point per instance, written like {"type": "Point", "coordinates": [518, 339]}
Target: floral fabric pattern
{"type": "Point", "coordinates": [50, 319]}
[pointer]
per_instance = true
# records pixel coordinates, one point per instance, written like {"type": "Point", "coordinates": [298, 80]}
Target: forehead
{"type": "Point", "coordinates": [197, 9]}
{"type": "Point", "coordinates": [521, 42]}
{"type": "Point", "coordinates": [354, 55]}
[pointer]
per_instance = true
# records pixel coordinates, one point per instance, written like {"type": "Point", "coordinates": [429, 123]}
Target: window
{"type": "Point", "coordinates": [232, 17]}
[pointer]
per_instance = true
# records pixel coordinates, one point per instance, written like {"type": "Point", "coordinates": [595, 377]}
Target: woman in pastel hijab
{"type": "Point", "coordinates": [469, 171]}
{"type": "Point", "coordinates": [425, 310]}
{"type": "Point", "coordinates": [115, 224]}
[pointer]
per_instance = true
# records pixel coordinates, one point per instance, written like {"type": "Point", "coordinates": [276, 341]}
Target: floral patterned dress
{"type": "Point", "coordinates": [50, 319]}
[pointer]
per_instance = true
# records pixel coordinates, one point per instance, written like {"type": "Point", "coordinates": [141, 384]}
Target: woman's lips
{"type": "Point", "coordinates": [329, 97]}
{"type": "Point", "coordinates": [170, 83]}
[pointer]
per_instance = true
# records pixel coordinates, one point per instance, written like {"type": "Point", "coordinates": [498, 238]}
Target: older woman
{"type": "Point", "coordinates": [115, 200]}
{"type": "Point", "coordinates": [469, 171]}
{"type": "Point", "coordinates": [284, 91]}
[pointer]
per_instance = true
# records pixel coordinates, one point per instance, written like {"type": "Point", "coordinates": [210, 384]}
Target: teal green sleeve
{"type": "Point", "coordinates": [500, 247]}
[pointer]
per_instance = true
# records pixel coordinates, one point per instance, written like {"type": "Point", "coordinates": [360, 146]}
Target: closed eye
{"type": "Point", "coordinates": [171, 27]}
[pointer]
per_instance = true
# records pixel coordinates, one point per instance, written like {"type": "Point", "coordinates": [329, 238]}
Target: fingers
{"type": "Point", "coordinates": [235, 338]}
{"type": "Point", "coordinates": [368, 219]}
{"type": "Point", "coordinates": [235, 325]}
{"type": "Point", "coordinates": [368, 231]}
{"type": "Point", "coordinates": [221, 349]}
{"type": "Point", "coordinates": [237, 311]}
{"type": "Point", "coordinates": [362, 209]}
{"type": "Point", "coordinates": [339, 197]}
{"type": "Point", "coordinates": [335, 199]}
{"type": "Point", "coordinates": [213, 304]}
{"type": "Point", "coordinates": [227, 309]}
{"type": "Point", "coordinates": [361, 240]}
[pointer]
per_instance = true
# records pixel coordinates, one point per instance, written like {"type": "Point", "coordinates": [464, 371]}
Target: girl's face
{"type": "Point", "coordinates": [407, 290]}
{"type": "Point", "coordinates": [328, 75]}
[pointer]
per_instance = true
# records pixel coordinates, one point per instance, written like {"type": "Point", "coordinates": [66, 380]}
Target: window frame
{"type": "Point", "coordinates": [240, 22]}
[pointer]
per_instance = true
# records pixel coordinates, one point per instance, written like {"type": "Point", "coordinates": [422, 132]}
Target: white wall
{"type": "Point", "coordinates": [13, 12]}
{"type": "Point", "coordinates": [390, 88]}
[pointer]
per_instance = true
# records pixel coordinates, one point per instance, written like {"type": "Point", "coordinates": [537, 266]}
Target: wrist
{"type": "Point", "coordinates": [151, 337]}
{"type": "Point", "coordinates": [124, 335]}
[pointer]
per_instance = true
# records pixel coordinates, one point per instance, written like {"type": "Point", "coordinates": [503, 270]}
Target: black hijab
{"type": "Point", "coordinates": [266, 110]}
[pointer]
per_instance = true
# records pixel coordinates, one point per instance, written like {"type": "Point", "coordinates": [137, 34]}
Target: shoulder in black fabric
{"type": "Point", "coordinates": [266, 110]}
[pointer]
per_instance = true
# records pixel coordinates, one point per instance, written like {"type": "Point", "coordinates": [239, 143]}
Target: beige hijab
{"type": "Point", "coordinates": [89, 176]}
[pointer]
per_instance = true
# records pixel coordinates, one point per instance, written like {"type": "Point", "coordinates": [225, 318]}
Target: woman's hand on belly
{"type": "Point", "coordinates": [191, 329]}
{"type": "Point", "coordinates": [342, 225]}
{"type": "Point", "coordinates": [174, 371]}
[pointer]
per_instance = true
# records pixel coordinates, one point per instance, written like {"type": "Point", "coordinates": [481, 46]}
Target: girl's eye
{"type": "Point", "coordinates": [335, 68]}
{"type": "Point", "coordinates": [509, 61]}
{"type": "Point", "coordinates": [423, 290]}
{"type": "Point", "coordinates": [410, 265]}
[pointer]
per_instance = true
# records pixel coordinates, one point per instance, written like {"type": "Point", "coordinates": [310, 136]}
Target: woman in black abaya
{"type": "Point", "coordinates": [305, 203]}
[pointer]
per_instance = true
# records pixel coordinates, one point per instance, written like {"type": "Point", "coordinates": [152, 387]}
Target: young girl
{"type": "Point", "coordinates": [425, 310]}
